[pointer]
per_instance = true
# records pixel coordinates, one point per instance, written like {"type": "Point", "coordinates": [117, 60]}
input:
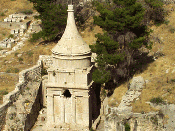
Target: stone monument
{"type": "Point", "coordinates": [69, 82]}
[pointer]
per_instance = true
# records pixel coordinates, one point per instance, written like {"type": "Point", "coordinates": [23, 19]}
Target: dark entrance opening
{"type": "Point", "coordinates": [67, 94]}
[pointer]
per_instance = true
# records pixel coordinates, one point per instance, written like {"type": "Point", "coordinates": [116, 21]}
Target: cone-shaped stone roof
{"type": "Point", "coordinates": [71, 43]}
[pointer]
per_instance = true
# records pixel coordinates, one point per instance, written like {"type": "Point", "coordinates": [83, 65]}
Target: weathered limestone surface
{"type": "Point", "coordinates": [22, 114]}
{"type": "Point", "coordinates": [134, 91]}
{"type": "Point", "coordinates": [169, 113]}
{"type": "Point", "coordinates": [117, 117]}
{"type": "Point", "coordinates": [33, 73]}
{"type": "Point", "coordinates": [7, 43]}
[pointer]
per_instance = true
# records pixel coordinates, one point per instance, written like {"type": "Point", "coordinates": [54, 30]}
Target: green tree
{"type": "Point", "coordinates": [155, 10]}
{"type": "Point", "coordinates": [53, 17]}
{"type": "Point", "coordinates": [123, 35]}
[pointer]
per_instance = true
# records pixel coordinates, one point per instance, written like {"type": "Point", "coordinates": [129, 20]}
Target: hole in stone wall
{"type": "Point", "coordinates": [67, 94]}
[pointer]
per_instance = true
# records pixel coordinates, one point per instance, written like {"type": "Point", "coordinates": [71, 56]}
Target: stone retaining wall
{"type": "Point", "coordinates": [24, 76]}
{"type": "Point", "coordinates": [34, 111]}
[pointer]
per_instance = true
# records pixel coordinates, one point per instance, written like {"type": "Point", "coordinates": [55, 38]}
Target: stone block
{"type": "Point", "coordinates": [23, 26]}
{"type": "Point", "coordinates": [2, 52]}
{"type": "Point", "coordinates": [15, 48]}
{"type": "Point", "coordinates": [5, 20]}
{"type": "Point", "coordinates": [10, 16]}
{"type": "Point", "coordinates": [12, 40]}
{"type": "Point", "coordinates": [21, 30]}
{"type": "Point", "coordinates": [9, 20]}
{"type": "Point", "coordinates": [15, 15]}
{"type": "Point", "coordinates": [6, 39]}
{"type": "Point", "coordinates": [3, 45]}
{"type": "Point", "coordinates": [13, 19]}
{"type": "Point", "coordinates": [20, 44]}
{"type": "Point", "coordinates": [12, 31]}
{"type": "Point", "coordinates": [9, 45]}
{"type": "Point", "coordinates": [18, 20]}
{"type": "Point", "coordinates": [16, 31]}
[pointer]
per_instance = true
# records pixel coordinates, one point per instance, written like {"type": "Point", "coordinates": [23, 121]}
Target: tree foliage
{"type": "Point", "coordinates": [123, 35]}
{"type": "Point", "coordinates": [53, 17]}
{"type": "Point", "coordinates": [156, 11]}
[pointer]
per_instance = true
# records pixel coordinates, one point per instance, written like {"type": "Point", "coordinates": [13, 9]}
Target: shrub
{"type": "Point", "coordinates": [154, 120]}
{"type": "Point", "coordinates": [43, 72]}
{"type": "Point", "coordinates": [35, 37]}
{"type": "Point", "coordinates": [12, 70]}
{"type": "Point", "coordinates": [166, 22]}
{"type": "Point", "coordinates": [54, 74]}
{"type": "Point", "coordinates": [11, 36]}
{"type": "Point", "coordinates": [156, 11]}
{"type": "Point", "coordinates": [103, 92]}
{"type": "Point", "coordinates": [172, 30]}
{"type": "Point", "coordinates": [3, 92]}
{"type": "Point", "coordinates": [16, 53]}
{"type": "Point", "coordinates": [12, 115]}
{"type": "Point", "coordinates": [27, 12]}
{"type": "Point", "coordinates": [92, 129]}
{"type": "Point", "coordinates": [20, 59]}
{"type": "Point", "coordinates": [3, 34]}
{"type": "Point", "coordinates": [16, 70]}
{"type": "Point", "coordinates": [127, 127]}
{"type": "Point", "coordinates": [29, 53]}
{"type": "Point", "coordinates": [27, 101]}
{"type": "Point", "coordinates": [157, 100]}
{"type": "Point", "coordinates": [172, 80]}
{"type": "Point", "coordinates": [2, 14]}
{"type": "Point", "coordinates": [8, 70]}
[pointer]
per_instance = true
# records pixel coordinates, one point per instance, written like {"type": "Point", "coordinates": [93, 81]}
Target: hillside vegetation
{"type": "Point", "coordinates": [160, 74]}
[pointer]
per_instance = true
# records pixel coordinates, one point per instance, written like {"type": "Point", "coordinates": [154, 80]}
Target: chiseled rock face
{"type": "Point", "coordinates": [136, 122]}
{"type": "Point", "coordinates": [137, 83]}
{"type": "Point", "coordinates": [117, 117]}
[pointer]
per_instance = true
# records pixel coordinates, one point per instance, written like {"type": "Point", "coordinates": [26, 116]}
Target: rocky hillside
{"type": "Point", "coordinates": [158, 74]}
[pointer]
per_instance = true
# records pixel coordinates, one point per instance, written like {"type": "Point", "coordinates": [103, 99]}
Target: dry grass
{"type": "Point", "coordinates": [117, 95]}
{"type": "Point", "coordinates": [88, 34]}
{"type": "Point", "coordinates": [4, 33]}
{"type": "Point", "coordinates": [160, 82]}
{"type": "Point", "coordinates": [7, 84]}
{"type": "Point", "coordinates": [9, 7]}
{"type": "Point", "coordinates": [30, 54]}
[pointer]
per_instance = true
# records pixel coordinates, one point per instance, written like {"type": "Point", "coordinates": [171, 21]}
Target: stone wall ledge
{"type": "Point", "coordinates": [24, 77]}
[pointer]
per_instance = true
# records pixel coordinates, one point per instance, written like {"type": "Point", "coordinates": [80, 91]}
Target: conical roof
{"type": "Point", "coordinates": [71, 43]}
